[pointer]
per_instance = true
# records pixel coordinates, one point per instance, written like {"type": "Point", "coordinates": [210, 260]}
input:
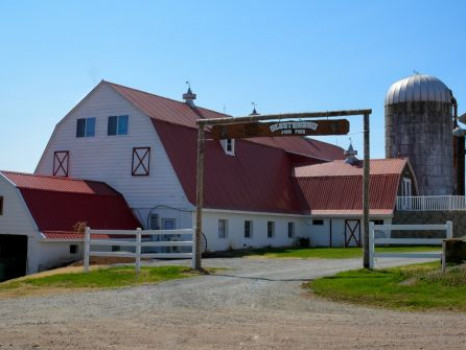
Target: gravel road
{"type": "Point", "coordinates": [252, 304]}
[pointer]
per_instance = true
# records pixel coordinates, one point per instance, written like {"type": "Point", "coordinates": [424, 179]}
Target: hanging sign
{"type": "Point", "coordinates": [280, 128]}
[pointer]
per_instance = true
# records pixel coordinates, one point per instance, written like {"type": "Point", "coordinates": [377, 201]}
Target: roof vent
{"type": "Point", "coordinates": [351, 155]}
{"type": "Point", "coordinates": [189, 97]}
{"type": "Point", "coordinates": [254, 112]}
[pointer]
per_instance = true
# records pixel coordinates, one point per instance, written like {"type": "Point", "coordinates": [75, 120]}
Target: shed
{"type": "Point", "coordinates": [41, 219]}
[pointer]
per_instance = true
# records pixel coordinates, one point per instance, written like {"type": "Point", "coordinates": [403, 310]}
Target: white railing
{"type": "Point", "coordinates": [373, 241]}
{"type": "Point", "coordinates": [430, 203]}
{"type": "Point", "coordinates": [135, 239]}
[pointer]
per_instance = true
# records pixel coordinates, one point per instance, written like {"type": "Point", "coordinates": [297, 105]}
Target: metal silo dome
{"type": "Point", "coordinates": [416, 88]}
{"type": "Point", "coordinates": [418, 125]}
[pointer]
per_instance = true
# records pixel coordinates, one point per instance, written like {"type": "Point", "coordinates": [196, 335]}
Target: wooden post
{"type": "Point", "coordinates": [87, 243]}
{"type": "Point", "coordinates": [138, 249]}
{"type": "Point", "coordinates": [365, 191]}
{"type": "Point", "coordinates": [449, 229]}
{"type": "Point", "coordinates": [199, 197]}
{"type": "Point", "coordinates": [371, 245]}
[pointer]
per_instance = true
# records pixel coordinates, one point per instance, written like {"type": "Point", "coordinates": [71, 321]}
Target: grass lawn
{"type": "Point", "coordinates": [322, 253]}
{"type": "Point", "coordinates": [413, 287]}
{"type": "Point", "coordinates": [112, 277]}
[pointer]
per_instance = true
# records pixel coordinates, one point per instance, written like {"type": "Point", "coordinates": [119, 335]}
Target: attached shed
{"type": "Point", "coordinates": [331, 193]}
{"type": "Point", "coordinates": [41, 219]}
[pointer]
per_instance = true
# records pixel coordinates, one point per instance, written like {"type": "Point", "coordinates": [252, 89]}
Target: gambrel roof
{"type": "Point", "coordinates": [257, 178]}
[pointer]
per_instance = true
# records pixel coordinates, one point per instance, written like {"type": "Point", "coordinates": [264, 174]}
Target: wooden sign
{"type": "Point", "coordinates": [280, 128]}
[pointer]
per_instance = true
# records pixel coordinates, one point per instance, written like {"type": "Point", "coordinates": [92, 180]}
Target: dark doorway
{"type": "Point", "coordinates": [13, 256]}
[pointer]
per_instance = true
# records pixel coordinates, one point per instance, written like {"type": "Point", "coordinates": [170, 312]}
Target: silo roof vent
{"type": "Point", "coordinates": [418, 88]}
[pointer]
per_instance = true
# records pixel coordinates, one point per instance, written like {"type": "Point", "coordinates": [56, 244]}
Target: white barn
{"type": "Point", "coordinates": [258, 192]}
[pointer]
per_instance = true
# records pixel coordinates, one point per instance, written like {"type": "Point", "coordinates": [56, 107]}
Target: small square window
{"type": "Point", "coordinates": [228, 146]}
{"type": "Point", "coordinates": [222, 228]}
{"type": "Point", "coordinates": [318, 222]}
{"type": "Point", "coordinates": [168, 224]}
{"type": "Point", "coordinates": [1, 205]}
{"type": "Point", "coordinates": [378, 222]}
{"type": "Point", "coordinates": [270, 229]}
{"type": "Point", "coordinates": [85, 127]}
{"type": "Point", "coordinates": [290, 229]}
{"type": "Point", "coordinates": [73, 249]}
{"type": "Point", "coordinates": [248, 229]}
{"type": "Point", "coordinates": [117, 125]}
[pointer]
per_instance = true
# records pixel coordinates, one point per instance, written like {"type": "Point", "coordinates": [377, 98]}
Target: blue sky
{"type": "Point", "coordinates": [286, 56]}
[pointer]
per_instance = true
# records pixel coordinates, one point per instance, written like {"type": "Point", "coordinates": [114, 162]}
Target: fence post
{"type": "Point", "coordinates": [138, 249]}
{"type": "Point", "coordinates": [449, 229]}
{"type": "Point", "coordinates": [371, 245]}
{"type": "Point", "coordinates": [87, 243]}
{"type": "Point", "coordinates": [193, 249]}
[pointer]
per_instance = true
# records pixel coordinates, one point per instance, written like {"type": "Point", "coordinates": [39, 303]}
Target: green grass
{"type": "Point", "coordinates": [413, 287]}
{"type": "Point", "coordinates": [322, 253]}
{"type": "Point", "coordinates": [113, 277]}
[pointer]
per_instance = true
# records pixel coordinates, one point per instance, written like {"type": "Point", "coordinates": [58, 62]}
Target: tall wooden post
{"type": "Point", "coordinates": [199, 197]}
{"type": "Point", "coordinates": [365, 193]}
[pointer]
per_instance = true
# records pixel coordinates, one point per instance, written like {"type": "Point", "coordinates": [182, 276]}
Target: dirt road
{"type": "Point", "coordinates": [253, 304]}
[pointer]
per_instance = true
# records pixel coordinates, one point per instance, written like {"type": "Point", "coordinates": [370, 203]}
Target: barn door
{"type": "Point", "coordinates": [353, 232]}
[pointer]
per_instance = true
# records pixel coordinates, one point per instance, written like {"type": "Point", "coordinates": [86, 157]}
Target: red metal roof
{"type": "Point", "coordinates": [57, 204]}
{"type": "Point", "coordinates": [336, 188]}
{"type": "Point", "coordinates": [176, 112]}
{"type": "Point", "coordinates": [258, 178]}
{"type": "Point", "coordinates": [59, 184]}
{"type": "Point", "coordinates": [165, 109]}
{"type": "Point", "coordinates": [341, 168]}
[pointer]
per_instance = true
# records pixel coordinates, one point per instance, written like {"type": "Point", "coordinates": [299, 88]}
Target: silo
{"type": "Point", "coordinates": [418, 125]}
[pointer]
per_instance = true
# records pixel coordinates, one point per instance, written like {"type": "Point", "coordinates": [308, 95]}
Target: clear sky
{"type": "Point", "coordinates": [286, 56]}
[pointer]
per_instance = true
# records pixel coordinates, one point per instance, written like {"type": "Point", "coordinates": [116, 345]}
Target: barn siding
{"type": "Point", "coordinates": [16, 220]}
{"type": "Point", "coordinates": [108, 158]}
{"type": "Point", "coordinates": [236, 239]}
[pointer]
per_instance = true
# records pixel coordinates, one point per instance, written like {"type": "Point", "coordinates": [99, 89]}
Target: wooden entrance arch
{"type": "Point", "coordinates": [293, 124]}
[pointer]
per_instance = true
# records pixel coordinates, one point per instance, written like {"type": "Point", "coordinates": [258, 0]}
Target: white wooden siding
{"type": "Point", "coordinates": [108, 158]}
{"type": "Point", "coordinates": [17, 220]}
{"type": "Point", "coordinates": [235, 232]}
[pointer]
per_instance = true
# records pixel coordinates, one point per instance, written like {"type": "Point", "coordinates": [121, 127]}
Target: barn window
{"type": "Point", "coordinates": [1, 205]}
{"type": "Point", "coordinates": [61, 162]}
{"type": "Point", "coordinates": [85, 127]}
{"type": "Point", "coordinates": [222, 228]}
{"type": "Point", "coordinates": [378, 222]}
{"type": "Point", "coordinates": [228, 146]}
{"type": "Point", "coordinates": [73, 249]}
{"type": "Point", "coordinates": [168, 224]}
{"type": "Point", "coordinates": [318, 222]}
{"type": "Point", "coordinates": [270, 229]}
{"type": "Point", "coordinates": [140, 164]}
{"type": "Point", "coordinates": [117, 125]}
{"type": "Point", "coordinates": [248, 229]}
{"type": "Point", "coordinates": [290, 229]}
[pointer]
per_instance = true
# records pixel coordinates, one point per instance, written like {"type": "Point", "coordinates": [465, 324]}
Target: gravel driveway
{"type": "Point", "coordinates": [253, 304]}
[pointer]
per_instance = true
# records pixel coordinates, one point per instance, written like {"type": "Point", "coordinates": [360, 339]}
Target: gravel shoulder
{"type": "Point", "coordinates": [250, 304]}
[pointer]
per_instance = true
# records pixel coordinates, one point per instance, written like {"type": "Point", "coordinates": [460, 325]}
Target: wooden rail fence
{"type": "Point", "coordinates": [373, 241]}
{"type": "Point", "coordinates": [136, 239]}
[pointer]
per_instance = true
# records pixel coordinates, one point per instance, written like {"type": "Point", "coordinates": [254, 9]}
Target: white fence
{"type": "Point", "coordinates": [373, 241]}
{"type": "Point", "coordinates": [430, 203]}
{"type": "Point", "coordinates": [136, 239]}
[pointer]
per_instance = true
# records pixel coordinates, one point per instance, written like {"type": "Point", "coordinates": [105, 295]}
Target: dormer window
{"type": "Point", "coordinates": [228, 146]}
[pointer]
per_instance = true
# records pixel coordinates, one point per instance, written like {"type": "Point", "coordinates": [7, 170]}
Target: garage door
{"type": "Point", "coordinates": [13, 256]}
